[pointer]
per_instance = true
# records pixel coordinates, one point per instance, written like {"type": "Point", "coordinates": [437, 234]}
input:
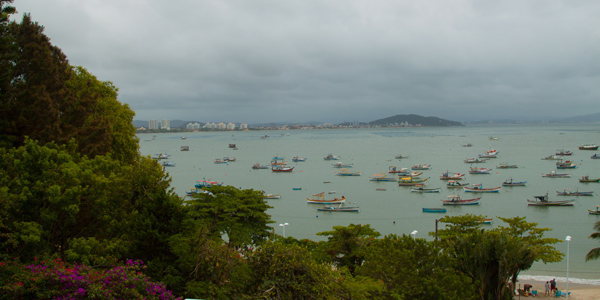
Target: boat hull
{"type": "Point", "coordinates": [434, 210]}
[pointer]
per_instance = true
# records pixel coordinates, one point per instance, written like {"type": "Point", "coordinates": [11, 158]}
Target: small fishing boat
{"type": "Point", "coordinates": [331, 192]}
{"type": "Point", "coordinates": [232, 146]}
{"type": "Point", "coordinates": [394, 170]}
{"type": "Point", "coordinates": [380, 189]}
{"type": "Point", "coordinates": [552, 157]}
{"type": "Point", "coordinates": [595, 156]}
{"type": "Point", "coordinates": [486, 221]}
{"type": "Point", "coordinates": [259, 166]}
{"type": "Point", "coordinates": [327, 181]}
{"type": "Point", "coordinates": [588, 147]}
{"type": "Point", "coordinates": [544, 201]}
{"type": "Point", "coordinates": [271, 196]}
{"type": "Point", "coordinates": [506, 166]}
{"type": "Point", "coordinates": [511, 182]}
{"type": "Point", "coordinates": [475, 160]}
{"type": "Point", "coordinates": [478, 188]}
{"type": "Point", "coordinates": [553, 174]}
{"type": "Point", "coordinates": [168, 164]}
{"type": "Point", "coordinates": [434, 210]}
{"type": "Point", "coordinates": [282, 169]}
{"type": "Point", "coordinates": [421, 167]}
{"type": "Point", "coordinates": [206, 184]}
{"type": "Point", "coordinates": [400, 156]}
{"type": "Point", "coordinates": [455, 184]}
{"type": "Point", "coordinates": [456, 200]}
{"type": "Point", "coordinates": [568, 192]}
{"type": "Point", "coordinates": [490, 155]}
{"type": "Point", "coordinates": [229, 159]}
{"type": "Point", "coordinates": [409, 181]}
{"type": "Point", "coordinates": [320, 199]}
{"type": "Point", "coordinates": [195, 191]}
{"type": "Point", "coordinates": [451, 176]}
{"type": "Point", "coordinates": [339, 208]}
{"type": "Point", "coordinates": [406, 173]}
{"type": "Point", "coordinates": [340, 164]}
{"type": "Point", "coordinates": [566, 165]}
{"type": "Point", "coordinates": [475, 170]}
{"type": "Point", "coordinates": [220, 161]}
{"type": "Point", "coordinates": [278, 158]}
{"type": "Point", "coordinates": [587, 178]}
{"type": "Point", "coordinates": [468, 145]}
{"type": "Point", "coordinates": [331, 157]}
{"type": "Point", "coordinates": [382, 177]}
{"type": "Point", "coordinates": [346, 172]}
{"type": "Point", "coordinates": [161, 156]}
{"type": "Point", "coordinates": [184, 148]}
{"type": "Point", "coordinates": [421, 189]}
{"type": "Point", "coordinates": [493, 138]}
{"type": "Point", "coordinates": [594, 212]}
{"type": "Point", "coordinates": [298, 159]}
{"type": "Point", "coordinates": [297, 189]}
{"type": "Point", "coordinates": [563, 152]}
{"type": "Point", "coordinates": [278, 163]}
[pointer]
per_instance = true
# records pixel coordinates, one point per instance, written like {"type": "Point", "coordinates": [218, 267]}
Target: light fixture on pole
{"type": "Point", "coordinates": [568, 239]}
{"type": "Point", "coordinates": [414, 234]}
{"type": "Point", "coordinates": [283, 225]}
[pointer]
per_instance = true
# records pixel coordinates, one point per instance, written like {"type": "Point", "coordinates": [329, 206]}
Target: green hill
{"type": "Point", "coordinates": [414, 120]}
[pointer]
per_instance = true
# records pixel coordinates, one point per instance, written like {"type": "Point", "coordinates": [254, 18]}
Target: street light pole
{"type": "Point", "coordinates": [283, 225]}
{"type": "Point", "coordinates": [414, 234]}
{"type": "Point", "coordinates": [568, 239]}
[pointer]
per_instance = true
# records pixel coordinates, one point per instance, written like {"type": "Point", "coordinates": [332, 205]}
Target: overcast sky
{"type": "Point", "coordinates": [333, 61]}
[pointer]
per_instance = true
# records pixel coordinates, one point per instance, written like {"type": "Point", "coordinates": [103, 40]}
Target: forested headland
{"type": "Point", "coordinates": [84, 216]}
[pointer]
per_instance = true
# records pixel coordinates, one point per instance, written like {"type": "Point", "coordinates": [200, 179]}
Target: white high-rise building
{"type": "Point", "coordinates": [165, 124]}
{"type": "Point", "coordinates": [230, 126]}
{"type": "Point", "coordinates": [243, 126]}
{"type": "Point", "coordinates": [153, 124]}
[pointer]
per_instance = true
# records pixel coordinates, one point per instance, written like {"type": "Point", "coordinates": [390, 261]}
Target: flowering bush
{"type": "Point", "coordinates": [58, 280]}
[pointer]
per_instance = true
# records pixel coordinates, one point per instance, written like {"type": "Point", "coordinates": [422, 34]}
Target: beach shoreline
{"type": "Point", "coordinates": [580, 290]}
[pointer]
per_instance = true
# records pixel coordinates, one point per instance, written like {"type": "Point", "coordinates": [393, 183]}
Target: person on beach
{"type": "Point", "coordinates": [553, 285]}
{"type": "Point", "coordinates": [547, 293]}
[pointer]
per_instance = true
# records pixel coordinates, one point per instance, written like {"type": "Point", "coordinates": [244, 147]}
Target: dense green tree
{"type": "Point", "coordinates": [238, 215]}
{"type": "Point", "coordinates": [346, 245]}
{"type": "Point", "coordinates": [594, 253]}
{"type": "Point", "coordinates": [414, 269]}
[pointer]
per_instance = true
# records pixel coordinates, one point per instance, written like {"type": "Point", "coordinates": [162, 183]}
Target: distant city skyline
{"type": "Point", "coordinates": [334, 61]}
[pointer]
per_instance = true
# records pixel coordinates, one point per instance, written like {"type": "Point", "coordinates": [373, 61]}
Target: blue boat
{"type": "Point", "coordinates": [434, 210]}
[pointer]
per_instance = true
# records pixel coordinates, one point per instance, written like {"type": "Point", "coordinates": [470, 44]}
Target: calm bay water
{"type": "Point", "coordinates": [397, 210]}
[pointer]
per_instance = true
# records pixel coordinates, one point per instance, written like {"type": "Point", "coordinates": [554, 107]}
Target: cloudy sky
{"type": "Point", "coordinates": [334, 60]}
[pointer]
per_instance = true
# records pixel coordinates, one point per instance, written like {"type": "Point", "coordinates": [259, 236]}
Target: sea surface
{"type": "Point", "coordinates": [398, 210]}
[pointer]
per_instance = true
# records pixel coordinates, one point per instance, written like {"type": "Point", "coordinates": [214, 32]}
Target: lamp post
{"type": "Point", "coordinates": [283, 225]}
{"type": "Point", "coordinates": [568, 239]}
{"type": "Point", "coordinates": [414, 234]}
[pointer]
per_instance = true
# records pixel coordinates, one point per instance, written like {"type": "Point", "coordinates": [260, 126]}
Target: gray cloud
{"type": "Point", "coordinates": [253, 61]}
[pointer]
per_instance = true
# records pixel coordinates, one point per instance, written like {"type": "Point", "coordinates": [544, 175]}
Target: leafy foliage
{"type": "Point", "coordinates": [347, 245]}
{"type": "Point", "coordinates": [594, 253]}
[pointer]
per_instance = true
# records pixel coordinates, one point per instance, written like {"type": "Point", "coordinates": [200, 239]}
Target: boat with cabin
{"type": "Point", "coordinates": [563, 152]}
{"type": "Point", "coordinates": [478, 188]}
{"type": "Point", "coordinates": [400, 156]}
{"type": "Point", "coordinates": [382, 177]}
{"type": "Point", "coordinates": [544, 201]}
{"type": "Point", "coordinates": [331, 157]}
{"type": "Point", "coordinates": [259, 166]}
{"type": "Point", "coordinates": [552, 157]}
{"type": "Point", "coordinates": [567, 164]}
{"type": "Point", "coordinates": [220, 161]}
{"type": "Point", "coordinates": [589, 147]}
{"type": "Point", "coordinates": [168, 164]}
{"type": "Point", "coordinates": [320, 199]}
{"type": "Point", "coordinates": [553, 174]}
{"type": "Point", "coordinates": [421, 167]}
{"type": "Point", "coordinates": [456, 200]}
{"type": "Point", "coordinates": [568, 192]}
{"type": "Point", "coordinates": [206, 184]}
{"type": "Point", "coordinates": [475, 170]}
{"type": "Point", "coordinates": [451, 176]}
{"type": "Point", "coordinates": [410, 181]}
{"type": "Point", "coordinates": [298, 159]}
{"type": "Point", "coordinates": [229, 159]}
{"type": "Point", "coordinates": [271, 196]}
{"type": "Point", "coordinates": [281, 169]}
{"type": "Point", "coordinates": [475, 160]}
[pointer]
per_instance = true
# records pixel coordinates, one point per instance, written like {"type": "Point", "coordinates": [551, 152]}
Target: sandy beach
{"type": "Point", "coordinates": [578, 291]}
